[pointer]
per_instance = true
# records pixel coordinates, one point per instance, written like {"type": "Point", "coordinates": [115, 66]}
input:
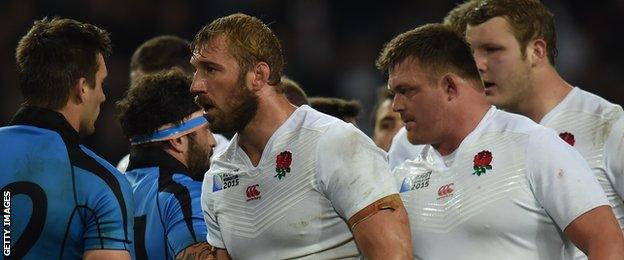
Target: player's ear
{"type": "Point", "coordinates": [78, 91]}
{"type": "Point", "coordinates": [537, 51]}
{"type": "Point", "coordinates": [449, 82]}
{"type": "Point", "coordinates": [178, 145]}
{"type": "Point", "coordinates": [261, 73]}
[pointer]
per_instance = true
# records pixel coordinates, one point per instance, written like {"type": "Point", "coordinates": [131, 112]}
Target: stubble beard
{"type": "Point", "coordinates": [198, 158]}
{"type": "Point", "coordinates": [518, 91]}
{"type": "Point", "coordinates": [244, 110]}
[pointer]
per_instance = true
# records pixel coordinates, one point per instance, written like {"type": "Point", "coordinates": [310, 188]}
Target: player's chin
{"type": "Point", "coordinates": [496, 100]}
{"type": "Point", "coordinates": [86, 130]}
{"type": "Point", "coordinates": [415, 138]}
{"type": "Point", "coordinates": [213, 115]}
{"type": "Point", "coordinates": [217, 126]}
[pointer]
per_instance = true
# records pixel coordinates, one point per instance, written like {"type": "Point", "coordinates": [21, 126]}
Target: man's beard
{"type": "Point", "coordinates": [245, 107]}
{"type": "Point", "coordinates": [198, 157]}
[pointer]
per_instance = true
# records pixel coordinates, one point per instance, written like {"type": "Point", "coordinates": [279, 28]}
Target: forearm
{"type": "Point", "coordinates": [198, 251]}
{"type": "Point", "coordinates": [103, 254]}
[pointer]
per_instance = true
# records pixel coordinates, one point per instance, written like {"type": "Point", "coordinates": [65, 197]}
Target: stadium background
{"type": "Point", "coordinates": [329, 46]}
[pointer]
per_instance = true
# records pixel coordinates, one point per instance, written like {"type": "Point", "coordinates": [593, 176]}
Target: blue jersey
{"type": "Point", "coordinates": [168, 216]}
{"type": "Point", "coordinates": [59, 198]}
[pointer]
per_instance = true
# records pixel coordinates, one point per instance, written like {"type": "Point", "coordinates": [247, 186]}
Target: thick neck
{"type": "Point", "coordinates": [460, 127]}
{"type": "Point", "coordinates": [462, 117]}
{"type": "Point", "coordinates": [273, 110]}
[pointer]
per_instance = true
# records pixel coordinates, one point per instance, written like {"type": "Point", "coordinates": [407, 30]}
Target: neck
{"type": "Point", "coordinates": [177, 155]}
{"type": "Point", "coordinates": [273, 110]}
{"type": "Point", "coordinates": [548, 90]}
{"type": "Point", "coordinates": [72, 115]}
{"type": "Point", "coordinates": [465, 120]}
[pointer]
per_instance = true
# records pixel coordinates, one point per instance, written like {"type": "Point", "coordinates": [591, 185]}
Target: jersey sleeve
{"type": "Point", "coordinates": [561, 179]}
{"type": "Point", "coordinates": [614, 156]}
{"type": "Point", "coordinates": [353, 172]}
{"type": "Point", "coordinates": [213, 237]}
{"type": "Point", "coordinates": [182, 216]}
{"type": "Point", "coordinates": [109, 212]}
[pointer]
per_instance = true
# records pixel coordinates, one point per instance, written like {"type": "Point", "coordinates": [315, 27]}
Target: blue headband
{"type": "Point", "coordinates": [171, 132]}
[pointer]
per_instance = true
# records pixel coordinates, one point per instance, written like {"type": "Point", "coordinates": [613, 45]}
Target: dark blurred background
{"type": "Point", "coordinates": [329, 46]}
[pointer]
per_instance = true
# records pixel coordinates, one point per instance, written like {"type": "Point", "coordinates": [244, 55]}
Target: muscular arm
{"type": "Point", "coordinates": [106, 255]}
{"type": "Point", "coordinates": [383, 235]}
{"type": "Point", "coordinates": [202, 251]}
{"type": "Point", "coordinates": [597, 233]}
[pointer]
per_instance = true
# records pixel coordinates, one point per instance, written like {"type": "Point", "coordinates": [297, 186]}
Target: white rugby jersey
{"type": "Point", "coordinates": [511, 190]}
{"type": "Point", "coordinates": [401, 149]}
{"type": "Point", "coordinates": [595, 128]}
{"type": "Point", "coordinates": [314, 174]}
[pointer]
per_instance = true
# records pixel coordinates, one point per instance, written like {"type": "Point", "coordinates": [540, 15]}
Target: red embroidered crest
{"type": "Point", "coordinates": [282, 164]}
{"type": "Point", "coordinates": [482, 162]}
{"type": "Point", "coordinates": [568, 137]}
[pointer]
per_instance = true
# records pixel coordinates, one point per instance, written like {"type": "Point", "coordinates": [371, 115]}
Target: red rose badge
{"type": "Point", "coordinates": [568, 137]}
{"type": "Point", "coordinates": [482, 162]}
{"type": "Point", "coordinates": [282, 164]}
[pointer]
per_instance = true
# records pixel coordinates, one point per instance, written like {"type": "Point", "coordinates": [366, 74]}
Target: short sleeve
{"type": "Point", "coordinates": [353, 172]}
{"type": "Point", "coordinates": [213, 237]}
{"type": "Point", "coordinates": [561, 179]}
{"type": "Point", "coordinates": [401, 149]}
{"type": "Point", "coordinates": [614, 156]}
{"type": "Point", "coordinates": [183, 219]}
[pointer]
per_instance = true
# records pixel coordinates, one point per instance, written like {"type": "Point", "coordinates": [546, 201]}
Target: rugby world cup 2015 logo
{"type": "Point", "coordinates": [222, 181]}
{"type": "Point", "coordinates": [415, 182]}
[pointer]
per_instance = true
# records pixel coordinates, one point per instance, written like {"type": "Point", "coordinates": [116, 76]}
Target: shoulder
{"type": "Point", "coordinates": [82, 157]}
{"type": "Point", "coordinates": [344, 148]}
{"type": "Point", "coordinates": [509, 122]}
{"type": "Point", "coordinates": [339, 135]}
{"type": "Point", "coordinates": [522, 133]}
{"type": "Point", "coordinates": [187, 182]}
{"type": "Point", "coordinates": [32, 132]}
{"type": "Point", "coordinates": [310, 119]}
{"type": "Point", "coordinates": [31, 147]}
{"type": "Point", "coordinates": [590, 103]}
{"type": "Point", "coordinates": [99, 179]}
{"type": "Point", "coordinates": [140, 177]}
{"type": "Point", "coordinates": [180, 186]}
{"type": "Point", "coordinates": [33, 140]}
